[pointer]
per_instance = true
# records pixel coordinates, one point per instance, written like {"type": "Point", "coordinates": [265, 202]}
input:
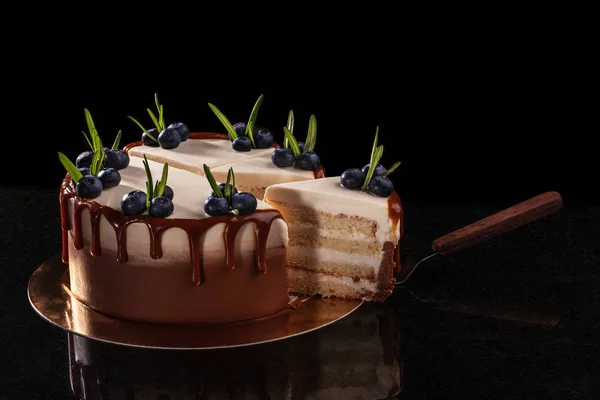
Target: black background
{"type": "Point", "coordinates": [478, 110]}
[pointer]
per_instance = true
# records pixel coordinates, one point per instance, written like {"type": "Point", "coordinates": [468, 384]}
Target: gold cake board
{"type": "Point", "coordinates": [50, 297]}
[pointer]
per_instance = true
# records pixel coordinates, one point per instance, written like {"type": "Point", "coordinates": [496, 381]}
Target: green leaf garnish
{"type": "Point", "coordinates": [149, 188]}
{"type": "Point", "coordinates": [228, 187]}
{"type": "Point", "coordinates": [96, 142]}
{"type": "Point", "coordinates": [234, 211]}
{"type": "Point", "coordinates": [87, 139]}
{"type": "Point", "coordinates": [154, 119]}
{"type": "Point", "coordinates": [143, 129]}
{"type": "Point", "coordinates": [376, 154]}
{"type": "Point", "coordinates": [373, 164]}
{"type": "Point", "coordinates": [292, 141]}
{"type": "Point", "coordinates": [311, 137]}
{"type": "Point", "coordinates": [160, 185]}
{"type": "Point", "coordinates": [228, 126]}
{"type": "Point", "coordinates": [211, 180]}
{"type": "Point", "coordinates": [97, 161]}
{"type": "Point", "coordinates": [290, 126]}
{"type": "Point", "coordinates": [252, 119]}
{"type": "Point", "coordinates": [75, 173]}
{"type": "Point", "coordinates": [392, 169]}
{"type": "Point", "coordinates": [115, 145]}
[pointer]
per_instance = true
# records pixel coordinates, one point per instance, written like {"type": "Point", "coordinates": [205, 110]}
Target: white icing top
{"type": "Point", "coordinates": [193, 153]}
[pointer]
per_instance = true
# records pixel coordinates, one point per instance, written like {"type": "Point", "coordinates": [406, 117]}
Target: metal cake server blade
{"type": "Point", "coordinates": [480, 231]}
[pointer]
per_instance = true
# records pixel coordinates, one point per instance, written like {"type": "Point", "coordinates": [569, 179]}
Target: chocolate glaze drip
{"type": "Point", "coordinates": [319, 172]}
{"type": "Point", "coordinates": [396, 214]}
{"type": "Point", "coordinates": [194, 228]}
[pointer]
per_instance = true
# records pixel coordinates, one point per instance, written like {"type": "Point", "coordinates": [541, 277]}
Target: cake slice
{"type": "Point", "coordinates": [212, 149]}
{"type": "Point", "coordinates": [342, 243]}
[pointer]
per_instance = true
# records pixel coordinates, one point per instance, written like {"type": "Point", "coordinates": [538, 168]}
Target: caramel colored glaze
{"type": "Point", "coordinates": [144, 292]}
{"type": "Point", "coordinates": [396, 214]}
{"type": "Point", "coordinates": [194, 229]}
{"type": "Point", "coordinates": [319, 172]}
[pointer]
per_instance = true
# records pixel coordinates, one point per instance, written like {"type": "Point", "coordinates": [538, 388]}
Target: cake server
{"type": "Point", "coordinates": [480, 231]}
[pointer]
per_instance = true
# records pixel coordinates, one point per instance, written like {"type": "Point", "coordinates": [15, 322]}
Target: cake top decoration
{"type": "Point", "coordinates": [302, 155]}
{"type": "Point", "coordinates": [246, 136]}
{"type": "Point", "coordinates": [157, 199]}
{"type": "Point", "coordinates": [98, 168]}
{"type": "Point", "coordinates": [167, 137]}
{"type": "Point", "coordinates": [225, 198]}
{"type": "Point", "coordinates": [373, 177]}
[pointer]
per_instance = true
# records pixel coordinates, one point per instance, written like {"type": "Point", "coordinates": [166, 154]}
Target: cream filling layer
{"type": "Point", "coordinates": [329, 196]}
{"type": "Point", "coordinates": [328, 255]}
{"type": "Point", "coordinates": [347, 235]}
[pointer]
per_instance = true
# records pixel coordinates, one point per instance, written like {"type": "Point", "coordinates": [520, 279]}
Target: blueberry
{"type": "Point", "coordinates": [244, 202]}
{"type": "Point", "coordinates": [109, 177]}
{"type": "Point", "coordinates": [214, 206]}
{"type": "Point", "coordinates": [84, 160]}
{"type": "Point", "coordinates": [117, 159]}
{"type": "Point", "coordinates": [283, 157]}
{"type": "Point", "coordinates": [242, 143]}
{"type": "Point", "coordinates": [379, 169]}
{"type": "Point", "coordinates": [352, 178]}
{"type": "Point", "coordinates": [168, 193]}
{"type": "Point", "coordinates": [381, 186]}
{"type": "Point", "coordinates": [240, 129]}
{"type": "Point", "coordinates": [84, 171]}
{"type": "Point", "coordinates": [169, 138]}
{"type": "Point", "coordinates": [301, 145]}
{"type": "Point", "coordinates": [308, 160]}
{"type": "Point", "coordinates": [263, 138]}
{"type": "Point", "coordinates": [222, 189]}
{"type": "Point", "coordinates": [182, 129]}
{"type": "Point", "coordinates": [134, 203]}
{"type": "Point", "coordinates": [89, 187]}
{"type": "Point", "coordinates": [148, 141]}
{"type": "Point", "coordinates": [161, 207]}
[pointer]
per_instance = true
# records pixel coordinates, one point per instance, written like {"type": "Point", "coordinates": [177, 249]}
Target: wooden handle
{"type": "Point", "coordinates": [520, 214]}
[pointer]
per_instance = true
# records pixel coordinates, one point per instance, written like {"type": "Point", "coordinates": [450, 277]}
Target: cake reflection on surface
{"type": "Point", "coordinates": [356, 357]}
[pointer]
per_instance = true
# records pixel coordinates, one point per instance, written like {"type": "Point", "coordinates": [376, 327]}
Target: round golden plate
{"type": "Point", "coordinates": [49, 295]}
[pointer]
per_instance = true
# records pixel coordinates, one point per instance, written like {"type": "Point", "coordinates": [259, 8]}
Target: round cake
{"type": "Point", "coordinates": [173, 228]}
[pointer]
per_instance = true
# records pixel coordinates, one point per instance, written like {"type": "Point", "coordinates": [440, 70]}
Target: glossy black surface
{"type": "Point", "coordinates": [514, 318]}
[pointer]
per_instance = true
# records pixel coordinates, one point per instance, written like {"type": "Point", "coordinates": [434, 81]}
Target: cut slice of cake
{"type": "Point", "coordinates": [342, 243]}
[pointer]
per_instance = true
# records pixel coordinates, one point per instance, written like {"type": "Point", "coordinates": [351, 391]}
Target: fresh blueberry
{"type": "Point", "coordinates": [242, 143]}
{"type": "Point", "coordinates": [214, 206]}
{"type": "Point", "coordinates": [169, 138]}
{"type": "Point", "coordinates": [84, 160]}
{"type": "Point", "coordinates": [283, 157]}
{"type": "Point", "coordinates": [308, 160]}
{"type": "Point", "coordinates": [134, 203]}
{"type": "Point", "coordinates": [161, 207]}
{"type": "Point", "coordinates": [117, 159]}
{"type": "Point", "coordinates": [263, 138]}
{"type": "Point", "coordinates": [379, 169]}
{"type": "Point", "coordinates": [89, 187]}
{"type": "Point", "coordinates": [301, 145]}
{"type": "Point", "coordinates": [182, 129]}
{"type": "Point", "coordinates": [244, 202]}
{"type": "Point", "coordinates": [84, 171]}
{"type": "Point", "coordinates": [168, 192]}
{"type": "Point", "coordinates": [240, 129]}
{"type": "Point", "coordinates": [352, 178]}
{"type": "Point", "coordinates": [381, 186]}
{"type": "Point", "coordinates": [148, 141]}
{"type": "Point", "coordinates": [109, 177]}
{"type": "Point", "coordinates": [222, 189]}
